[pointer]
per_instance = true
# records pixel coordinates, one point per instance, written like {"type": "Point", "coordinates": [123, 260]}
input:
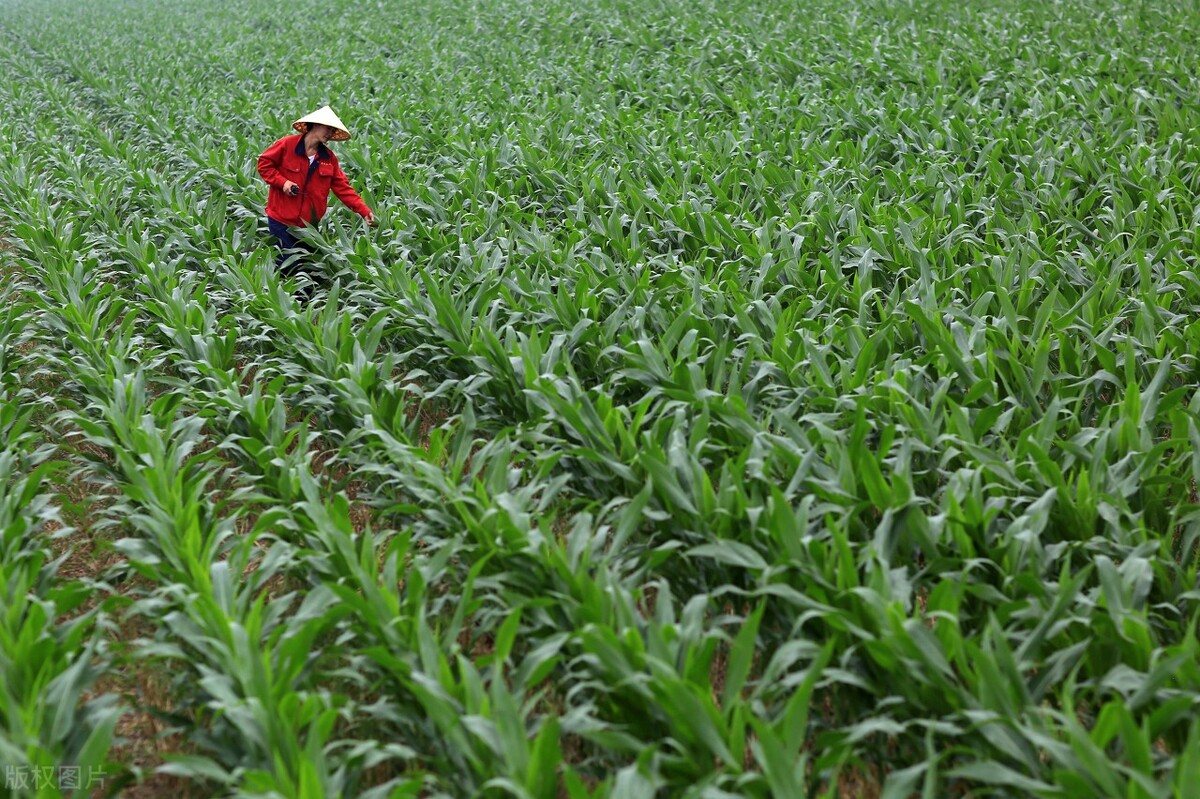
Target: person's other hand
{"type": "Point", "coordinates": [290, 188]}
{"type": "Point", "coordinates": [371, 220]}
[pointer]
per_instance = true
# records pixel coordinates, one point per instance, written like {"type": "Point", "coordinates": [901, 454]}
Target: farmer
{"type": "Point", "coordinates": [301, 172]}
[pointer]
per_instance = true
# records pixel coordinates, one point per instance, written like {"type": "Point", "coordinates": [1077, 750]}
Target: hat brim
{"type": "Point", "coordinates": [340, 134]}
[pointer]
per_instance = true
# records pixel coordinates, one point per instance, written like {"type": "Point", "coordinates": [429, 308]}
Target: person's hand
{"type": "Point", "coordinates": [290, 188]}
{"type": "Point", "coordinates": [371, 220]}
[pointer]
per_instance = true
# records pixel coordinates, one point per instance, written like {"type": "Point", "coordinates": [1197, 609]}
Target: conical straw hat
{"type": "Point", "coordinates": [323, 116]}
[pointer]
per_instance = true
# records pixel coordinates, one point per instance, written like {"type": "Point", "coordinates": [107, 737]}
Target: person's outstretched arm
{"type": "Point", "coordinates": [346, 193]}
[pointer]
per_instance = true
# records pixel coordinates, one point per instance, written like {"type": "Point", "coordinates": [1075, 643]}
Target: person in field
{"type": "Point", "coordinates": [301, 171]}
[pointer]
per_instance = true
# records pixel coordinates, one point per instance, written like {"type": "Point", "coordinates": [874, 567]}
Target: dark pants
{"type": "Point", "coordinates": [290, 247]}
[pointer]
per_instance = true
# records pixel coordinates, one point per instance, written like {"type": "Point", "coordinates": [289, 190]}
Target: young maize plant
{"type": "Point", "coordinates": [52, 643]}
{"type": "Point", "coordinates": [736, 399]}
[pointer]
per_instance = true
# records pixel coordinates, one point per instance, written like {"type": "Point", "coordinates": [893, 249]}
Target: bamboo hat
{"type": "Point", "coordinates": [323, 116]}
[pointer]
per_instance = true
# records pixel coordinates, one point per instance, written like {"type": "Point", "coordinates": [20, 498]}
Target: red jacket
{"type": "Point", "coordinates": [286, 160]}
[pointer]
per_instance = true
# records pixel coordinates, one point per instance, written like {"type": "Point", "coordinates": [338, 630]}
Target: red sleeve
{"type": "Point", "coordinates": [268, 165]}
{"type": "Point", "coordinates": [346, 193]}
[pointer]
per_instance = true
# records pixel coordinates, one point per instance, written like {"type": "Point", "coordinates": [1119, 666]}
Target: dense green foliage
{"type": "Point", "coordinates": [737, 399]}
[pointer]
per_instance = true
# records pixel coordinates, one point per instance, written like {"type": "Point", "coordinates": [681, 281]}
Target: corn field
{"type": "Point", "coordinates": [736, 399]}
